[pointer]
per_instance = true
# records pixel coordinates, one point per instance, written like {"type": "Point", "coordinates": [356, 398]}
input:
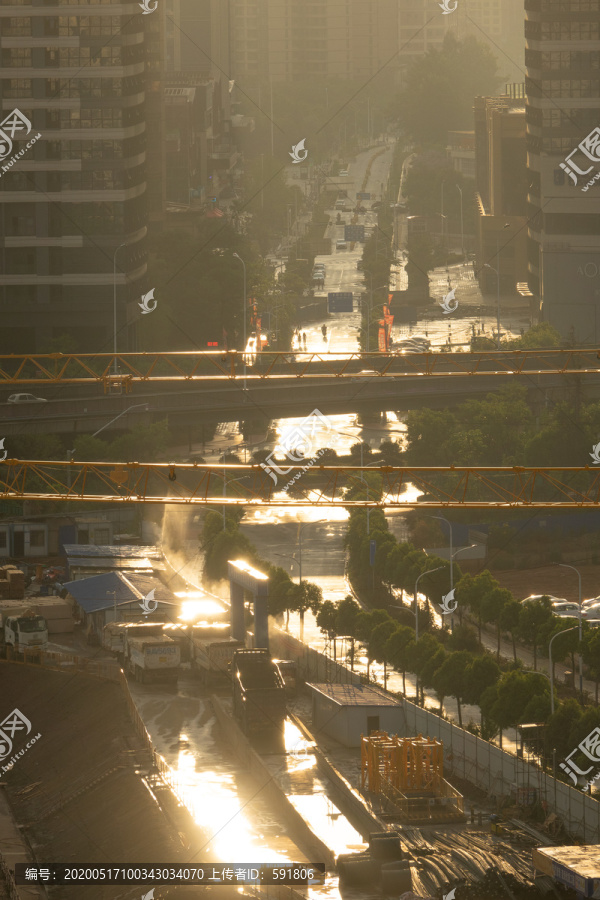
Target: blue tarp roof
{"type": "Point", "coordinates": [95, 593]}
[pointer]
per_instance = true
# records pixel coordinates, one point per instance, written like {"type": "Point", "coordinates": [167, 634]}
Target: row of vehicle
{"type": "Point", "coordinates": [590, 609]}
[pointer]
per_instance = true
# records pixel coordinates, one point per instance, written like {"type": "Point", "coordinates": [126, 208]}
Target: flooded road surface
{"type": "Point", "coordinates": [221, 798]}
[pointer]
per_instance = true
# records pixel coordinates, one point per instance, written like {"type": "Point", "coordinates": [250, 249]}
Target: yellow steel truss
{"type": "Point", "coordinates": [514, 487]}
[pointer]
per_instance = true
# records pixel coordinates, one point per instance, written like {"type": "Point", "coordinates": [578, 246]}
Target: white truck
{"type": "Point", "coordinates": [154, 658]}
{"type": "Point", "coordinates": [25, 630]}
{"type": "Point", "coordinates": [212, 652]}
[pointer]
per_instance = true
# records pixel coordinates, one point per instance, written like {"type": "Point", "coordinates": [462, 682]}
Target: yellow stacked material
{"type": "Point", "coordinates": [407, 763]}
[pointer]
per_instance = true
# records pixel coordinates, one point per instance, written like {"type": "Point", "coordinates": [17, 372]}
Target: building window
{"type": "Point", "coordinates": [37, 538]}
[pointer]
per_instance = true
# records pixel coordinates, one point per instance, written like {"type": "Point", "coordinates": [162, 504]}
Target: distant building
{"type": "Point", "coordinates": [497, 23]}
{"type": "Point", "coordinates": [563, 126]}
{"type": "Point", "coordinates": [290, 40]}
{"type": "Point", "coordinates": [79, 193]}
{"type": "Point", "coordinates": [501, 183]}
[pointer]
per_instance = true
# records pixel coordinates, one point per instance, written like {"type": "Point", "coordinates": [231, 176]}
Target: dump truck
{"type": "Point", "coordinates": [258, 691]}
{"type": "Point", "coordinates": [152, 658]}
{"type": "Point", "coordinates": [212, 652]}
{"type": "Point", "coordinates": [114, 634]}
{"type": "Point", "coordinates": [24, 629]}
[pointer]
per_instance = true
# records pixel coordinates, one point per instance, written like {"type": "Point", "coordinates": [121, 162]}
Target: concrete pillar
{"type": "Point", "coordinates": [261, 622]}
{"type": "Point", "coordinates": [238, 626]}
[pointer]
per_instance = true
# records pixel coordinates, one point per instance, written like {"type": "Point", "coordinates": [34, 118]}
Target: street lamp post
{"type": "Point", "coordinates": [237, 256]}
{"type": "Point", "coordinates": [572, 628]}
{"type": "Point", "coordinates": [427, 572]}
{"type": "Point", "coordinates": [233, 481]}
{"type": "Point", "coordinates": [115, 367]}
{"type": "Point", "coordinates": [567, 566]}
{"type": "Point", "coordinates": [462, 229]}
{"type": "Point", "coordinates": [124, 413]}
{"type": "Point", "coordinates": [497, 271]}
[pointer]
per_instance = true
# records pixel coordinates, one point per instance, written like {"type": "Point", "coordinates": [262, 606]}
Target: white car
{"type": "Point", "coordinates": [541, 596]}
{"type": "Point", "coordinates": [26, 398]}
{"type": "Point", "coordinates": [593, 601]}
{"type": "Point", "coordinates": [565, 609]}
{"type": "Point", "coordinates": [341, 245]}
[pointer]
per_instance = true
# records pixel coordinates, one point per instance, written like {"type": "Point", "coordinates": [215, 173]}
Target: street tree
{"type": "Point", "coordinates": [451, 678]}
{"type": "Point", "coordinates": [533, 617]}
{"type": "Point", "coordinates": [492, 605]}
{"type": "Point", "coordinates": [509, 621]}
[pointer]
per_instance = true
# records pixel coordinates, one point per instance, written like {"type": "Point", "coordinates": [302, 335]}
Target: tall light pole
{"type": "Point", "coordinates": [442, 214]}
{"type": "Point", "coordinates": [115, 306]}
{"type": "Point", "coordinates": [237, 256]}
{"type": "Point", "coordinates": [497, 271]}
{"type": "Point", "coordinates": [572, 628]}
{"type": "Point", "coordinates": [125, 411]}
{"type": "Point", "coordinates": [428, 572]}
{"type": "Point", "coordinates": [567, 566]}
{"type": "Point", "coordinates": [462, 229]}
{"type": "Point", "coordinates": [300, 530]}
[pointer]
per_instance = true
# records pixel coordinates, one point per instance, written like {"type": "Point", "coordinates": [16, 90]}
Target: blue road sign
{"type": "Point", "coordinates": [363, 196]}
{"type": "Point", "coordinates": [354, 233]}
{"type": "Point", "coordinates": [340, 302]}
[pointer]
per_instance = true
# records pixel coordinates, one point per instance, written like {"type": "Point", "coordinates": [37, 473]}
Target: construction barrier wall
{"type": "Point", "coordinates": [495, 771]}
{"type": "Point", "coordinates": [465, 755]}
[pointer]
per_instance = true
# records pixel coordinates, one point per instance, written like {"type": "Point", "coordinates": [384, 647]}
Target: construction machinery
{"type": "Point", "coordinates": [259, 700]}
{"type": "Point", "coordinates": [212, 651]}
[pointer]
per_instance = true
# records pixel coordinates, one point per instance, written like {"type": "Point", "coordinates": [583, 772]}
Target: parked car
{"type": "Point", "coordinates": [341, 245]}
{"type": "Point", "coordinates": [593, 601]}
{"type": "Point", "coordinates": [550, 597]}
{"type": "Point", "coordinates": [26, 398]}
{"type": "Point", "coordinates": [565, 608]}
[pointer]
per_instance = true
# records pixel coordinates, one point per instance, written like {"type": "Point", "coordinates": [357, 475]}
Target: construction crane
{"type": "Point", "coordinates": [450, 487]}
{"type": "Point", "coordinates": [119, 371]}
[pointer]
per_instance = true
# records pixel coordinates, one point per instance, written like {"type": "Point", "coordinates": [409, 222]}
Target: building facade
{"type": "Point", "coordinates": [563, 137]}
{"type": "Point", "coordinates": [288, 40]}
{"type": "Point", "coordinates": [78, 195]}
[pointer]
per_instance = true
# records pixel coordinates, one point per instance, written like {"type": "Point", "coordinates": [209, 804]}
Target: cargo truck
{"type": "Point", "coordinates": [152, 658]}
{"type": "Point", "coordinates": [24, 630]}
{"type": "Point", "coordinates": [212, 652]}
{"type": "Point", "coordinates": [258, 691]}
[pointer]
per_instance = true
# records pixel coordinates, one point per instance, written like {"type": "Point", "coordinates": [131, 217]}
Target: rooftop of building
{"type": "Point", "coordinates": [353, 694]}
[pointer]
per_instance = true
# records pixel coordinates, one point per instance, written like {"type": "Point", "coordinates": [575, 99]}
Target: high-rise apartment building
{"type": "Point", "coordinates": [563, 140]}
{"type": "Point", "coordinates": [289, 40]}
{"type": "Point", "coordinates": [78, 195]}
{"type": "Point", "coordinates": [497, 23]}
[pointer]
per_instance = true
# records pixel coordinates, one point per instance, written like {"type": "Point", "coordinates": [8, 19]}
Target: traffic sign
{"type": "Point", "coordinates": [363, 196]}
{"type": "Point", "coordinates": [354, 233]}
{"type": "Point", "coordinates": [340, 302]}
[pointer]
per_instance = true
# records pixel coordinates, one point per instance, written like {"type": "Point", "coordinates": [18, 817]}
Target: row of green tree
{"type": "Point", "coordinates": [507, 696]}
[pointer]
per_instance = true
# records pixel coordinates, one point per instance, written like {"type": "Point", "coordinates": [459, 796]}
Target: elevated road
{"type": "Point", "coordinates": [506, 487]}
{"type": "Point", "coordinates": [183, 403]}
